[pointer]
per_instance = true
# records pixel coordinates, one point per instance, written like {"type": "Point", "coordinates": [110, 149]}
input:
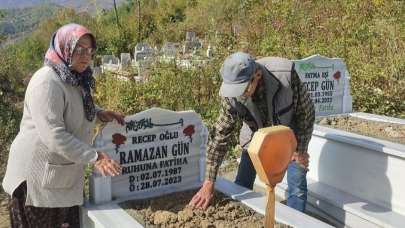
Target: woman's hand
{"type": "Point", "coordinates": [108, 116]}
{"type": "Point", "coordinates": [106, 165]}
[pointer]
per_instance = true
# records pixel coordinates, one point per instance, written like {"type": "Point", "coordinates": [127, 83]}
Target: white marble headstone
{"type": "Point", "coordinates": [327, 81]}
{"type": "Point", "coordinates": [160, 152]}
{"type": "Point", "coordinates": [169, 49]}
{"type": "Point", "coordinates": [125, 61]}
{"type": "Point", "coordinates": [190, 36]}
{"type": "Point", "coordinates": [142, 52]}
{"type": "Point", "coordinates": [110, 59]}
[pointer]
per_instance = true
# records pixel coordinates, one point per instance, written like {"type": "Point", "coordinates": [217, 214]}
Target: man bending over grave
{"type": "Point", "coordinates": [261, 93]}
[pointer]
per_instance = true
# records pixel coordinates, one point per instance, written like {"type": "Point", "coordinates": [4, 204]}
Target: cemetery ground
{"type": "Point", "coordinates": [387, 131]}
{"type": "Point", "coordinates": [4, 216]}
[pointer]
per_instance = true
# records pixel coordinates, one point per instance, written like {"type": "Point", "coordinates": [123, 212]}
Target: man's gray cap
{"type": "Point", "coordinates": [236, 72]}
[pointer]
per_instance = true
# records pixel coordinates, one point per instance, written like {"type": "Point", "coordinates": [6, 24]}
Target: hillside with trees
{"type": "Point", "coordinates": [14, 21]}
{"type": "Point", "coordinates": [77, 5]}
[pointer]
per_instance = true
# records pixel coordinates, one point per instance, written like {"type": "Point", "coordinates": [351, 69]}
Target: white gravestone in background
{"type": "Point", "coordinates": [160, 152]}
{"type": "Point", "coordinates": [109, 63]}
{"type": "Point", "coordinates": [110, 59]}
{"type": "Point", "coordinates": [327, 82]}
{"type": "Point", "coordinates": [142, 52]}
{"type": "Point", "coordinates": [125, 61]}
{"type": "Point", "coordinates": [169, 50]}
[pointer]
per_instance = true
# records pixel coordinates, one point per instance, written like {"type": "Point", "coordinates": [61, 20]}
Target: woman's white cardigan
{"type": "Point", "coordinates": [53, 145]}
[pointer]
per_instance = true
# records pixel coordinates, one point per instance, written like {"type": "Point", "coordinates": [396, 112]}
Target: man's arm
{"type": "Point", "coordinates": [217, 147]}
{"type": "Point", "coordinates": [215, 154]}
{"type": "Point", "coordinates": [304, 116]}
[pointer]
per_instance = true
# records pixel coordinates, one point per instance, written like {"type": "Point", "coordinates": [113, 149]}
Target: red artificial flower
{"type": "Point", "coordinates": [118, 139]}
{"type": "Point", "coordinates": [189, 131]}
{"type": "Point", "coordinates": [337, 75]}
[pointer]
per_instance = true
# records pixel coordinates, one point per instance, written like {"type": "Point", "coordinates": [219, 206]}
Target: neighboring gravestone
{"type": "Point", "coordinates": [110, 59]}
{"type": "Point", "coordinates": [125, 61]}
{"type": "Point", "coordinates": [143, 68]}
{"type": "Point", "coordinates": [160, 152]}
{"type": "Point", "coordinates": [327, 82]}
{"type": "Point", "coordinates": [142, 52]}
{"type": "Point", "coordinates": [191, 43]}
{"type": "Point", "coordinates": [110, 63]}
{"type": "Point", "coordinates": [169, 50]}
{"type": "Point", "coordinates": [190, 36]}
{"type": "Point", "coordinates": [97, 72]}
{"type": "Point", "coordinates": [209, 51]}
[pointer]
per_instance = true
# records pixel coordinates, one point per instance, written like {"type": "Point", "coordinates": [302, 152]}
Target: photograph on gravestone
{"type": "Point", "coordinates": [327, 82]}
{"type": "Point", "coordinates": [160, 152]}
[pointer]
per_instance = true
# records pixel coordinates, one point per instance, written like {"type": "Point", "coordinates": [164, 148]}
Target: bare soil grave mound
{"type": "Point", "coordinates": [382, 130]}
{"type": "Point", "coordinates": [173, 211]}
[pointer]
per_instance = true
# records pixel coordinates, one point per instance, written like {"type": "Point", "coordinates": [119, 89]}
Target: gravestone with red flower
{"type": "Point", "coordinates": [160, 152]}
{"type": "Point", "coordinates": [327, 82]}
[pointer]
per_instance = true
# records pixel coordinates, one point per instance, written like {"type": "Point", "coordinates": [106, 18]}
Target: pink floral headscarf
{"type": "Point", "coordinates": [59, 58]}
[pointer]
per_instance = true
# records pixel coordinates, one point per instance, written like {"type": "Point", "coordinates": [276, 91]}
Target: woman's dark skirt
{"type": "Point", "coordinates": [22, 216]}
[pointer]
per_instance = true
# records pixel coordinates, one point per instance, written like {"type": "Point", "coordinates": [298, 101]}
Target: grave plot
{"type": "Point", "coordinates": [125, 61]}
{"type": "Point", "coordinates": [389, 131]}
{"type": "Point", "coordinates": [117, 213]}
{"type": "Point", "coordinates": [355, 162]}
{"type": "Point", "coordinates": [355, 158]}
{"type": "Point", "coordinates": [173, 211]}
{"type": "Point", "coordinates": [163, 152]}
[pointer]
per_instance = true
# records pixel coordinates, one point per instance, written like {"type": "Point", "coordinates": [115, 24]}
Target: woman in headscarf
{"type": "Point", "coordinates": [45, 169]}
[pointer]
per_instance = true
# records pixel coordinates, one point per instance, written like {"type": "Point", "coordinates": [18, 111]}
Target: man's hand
{"type": "Point", "coordinates": [301, 158]}
{"type": "Point", "coordinates": [204, 196]}
{"type": "Point", "coordinates": [108, 116]}
{"type": "Point", "coordinates": [106, 165]}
